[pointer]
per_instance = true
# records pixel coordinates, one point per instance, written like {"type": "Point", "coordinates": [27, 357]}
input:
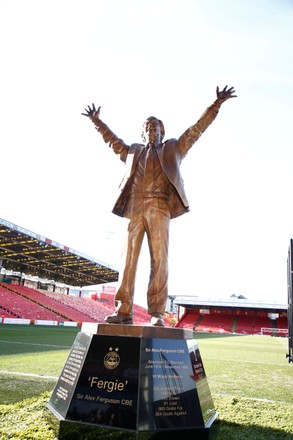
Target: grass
{"type": "Point", "coordinates": [250, 380]}
{"type": "Point", "coordinates": [248, 366]}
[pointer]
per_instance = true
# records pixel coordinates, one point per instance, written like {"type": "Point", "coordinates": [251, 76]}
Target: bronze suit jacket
{"type": "Point", "coordinates": [170, 154]}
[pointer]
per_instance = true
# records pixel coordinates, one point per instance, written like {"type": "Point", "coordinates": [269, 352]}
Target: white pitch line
{"type": "Point", "coordinates": [257, 399]}
{"type": "Point", "coordinates": [33, 343]}
{"type": "Point", "coordinates": [17, 373]}
{"type": "Point", "coordinates": [246, 362]}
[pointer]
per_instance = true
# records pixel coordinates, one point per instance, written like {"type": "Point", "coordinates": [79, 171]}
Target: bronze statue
{"type": "Point", "coordinates": [151, 193]}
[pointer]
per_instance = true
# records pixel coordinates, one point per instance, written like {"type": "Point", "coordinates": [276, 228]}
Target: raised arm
{"type": "Point", "coordinates": [191, 135]}
{"type": "Point", "coordinates": [117, 145]}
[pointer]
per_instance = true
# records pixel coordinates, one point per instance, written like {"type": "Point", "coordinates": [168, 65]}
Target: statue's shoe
{"type": "Point", "coordinates": [119, 318]}
{"type": "Point", "coordinates": [157, 320]}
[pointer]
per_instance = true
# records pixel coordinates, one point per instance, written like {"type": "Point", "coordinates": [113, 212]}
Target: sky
{"type": "Point", "coordinates": [137, 58]}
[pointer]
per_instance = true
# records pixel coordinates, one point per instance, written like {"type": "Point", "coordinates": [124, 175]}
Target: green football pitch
{"type": "Point", "coordinates": [250, 379]}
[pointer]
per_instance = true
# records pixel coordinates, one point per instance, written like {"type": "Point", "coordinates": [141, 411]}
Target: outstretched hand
{"type": "Point", "coordinates": [92, 113]}
{"type": "Point", "coordinates": [223, 95]}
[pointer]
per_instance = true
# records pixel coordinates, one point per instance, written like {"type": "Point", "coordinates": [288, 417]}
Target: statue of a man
{"type": "Point", "coordinates": [151, 193]}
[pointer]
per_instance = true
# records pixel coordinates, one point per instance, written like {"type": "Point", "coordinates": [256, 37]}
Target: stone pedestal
{"type": "Point", "coordinates": [135, 382]}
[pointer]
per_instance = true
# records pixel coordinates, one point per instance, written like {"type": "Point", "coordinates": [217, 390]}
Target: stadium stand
{"type": "Point", "coordinates": [24, 302]}
{"type": "Point", "coordinates": [234, 315]}
{"type": "Point", "coordinates": [97, 309]}
{"type": "Point", "coordinates": [188, 320]}
{"type": "Point", "coordinates": [24, 252]}
{"type": "Point", "coordinates": [282, 322]}
{"type": "Point", "coordinates": [216, 323]}
{"type": "Point", "coordinates": [20, 307]}
{"type": "Point", "coordinates": [252, 324]}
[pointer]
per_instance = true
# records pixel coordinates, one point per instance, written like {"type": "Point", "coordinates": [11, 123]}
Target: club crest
{"type": "Point", "coordinates": [112, 359]}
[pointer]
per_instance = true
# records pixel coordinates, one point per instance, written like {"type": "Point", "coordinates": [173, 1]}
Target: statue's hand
{"type": "Point", "coordinates": [223, 95]}
{"type": "Point", "coordinates": [92, 113]}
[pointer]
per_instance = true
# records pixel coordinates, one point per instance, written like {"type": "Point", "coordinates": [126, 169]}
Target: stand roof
{"type": "Point", "coordinates": [27, 252]}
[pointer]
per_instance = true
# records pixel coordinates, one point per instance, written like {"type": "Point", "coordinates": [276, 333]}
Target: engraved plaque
{"type": "Point", "coordinates": [64, 389]}
{"type": "Point", "coordinates": [168, 395]}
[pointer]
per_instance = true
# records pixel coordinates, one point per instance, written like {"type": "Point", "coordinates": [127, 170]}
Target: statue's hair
{"type": "Point", "coordinates": [162, 128]}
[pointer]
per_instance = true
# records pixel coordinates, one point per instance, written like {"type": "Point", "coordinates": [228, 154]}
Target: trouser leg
{"type": "Point", "coordinates": [125, 293]}
{"type": "Point", "coordinates": [157, 224]}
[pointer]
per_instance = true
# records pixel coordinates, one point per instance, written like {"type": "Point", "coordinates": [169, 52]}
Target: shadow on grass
{"type": "Point", "coordinates": [220, 430]}
{"type": "Point", "coordinates": [31, 415]}
{"type": "Point", "coordinates": [231, 431]}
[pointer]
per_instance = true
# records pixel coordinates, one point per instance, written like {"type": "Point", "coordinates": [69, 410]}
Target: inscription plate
{"type": "Point", "coordinates": [168, 396]}
{"type": "Point", "coordinates": [64, 389]}
{"type": "Point", "coordinates": [203, 389]}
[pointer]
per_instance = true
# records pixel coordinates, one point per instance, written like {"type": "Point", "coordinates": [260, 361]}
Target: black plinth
{"type": "Point", "coordinates": [138, 381]}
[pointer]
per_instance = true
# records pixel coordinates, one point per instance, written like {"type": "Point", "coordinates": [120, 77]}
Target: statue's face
{"type": "Point", "coordinates": [152, 130]}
